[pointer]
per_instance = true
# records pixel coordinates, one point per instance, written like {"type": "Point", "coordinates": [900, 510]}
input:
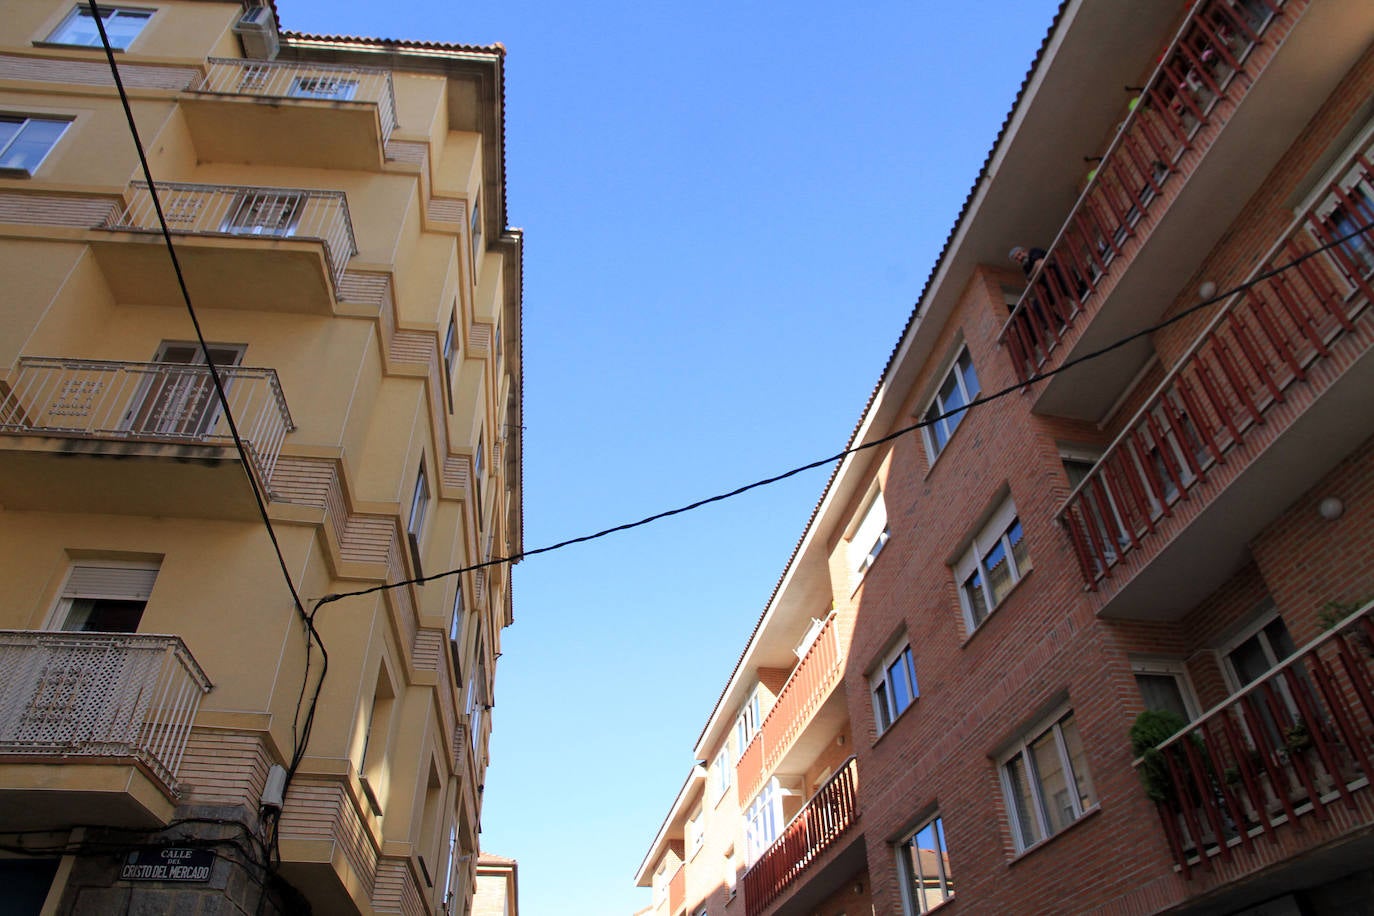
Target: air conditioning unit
{"type": "Point", "coordinates": [257, 32]}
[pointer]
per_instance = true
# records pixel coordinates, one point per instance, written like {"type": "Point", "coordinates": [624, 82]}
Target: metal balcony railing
{"type": "Point", "coordinates": [828, 814]}
{"type": "Point", "coordinates": [1266, 339]}
{"type": "Point", "coordinates": [1292, 744]}
{"type": "Point", "coordinates": [1168, 120]}
{"type": "Point", "coordinates": [242, 212]}
{"type": "Point", "coordinates": [156, 402]}
{"type": "Point", "coordinates": [110, 695]}
{"type": "Point", "coordinates": [296, 80]}
{"type": "Point", "coordinates": [816, 675]}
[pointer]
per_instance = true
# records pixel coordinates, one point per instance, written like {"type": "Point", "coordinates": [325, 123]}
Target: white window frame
{"type": "Point", "coordinates": [748, 721]}
{"type": "Point", "coordinates": [24, 121]}
{"type": "Point", "coordinates": [722, 773]}
{"type": "Point", "coordinates": [695, 832]}
{"type": "Point", "coordinates": [475, 235]}
{"type": "Point", "coordinates": [80, 12]}
{"type": "Point", "coordinates": [995, 533]}
{"type": "Point", "coordinates": [324, 88]}
{"type": "Point", "coordinates": [1267, 613]}
{"type": "Point", "coordinates": [897, 670]}
{"type": "Point", "coordinates": [125, 581]}
{"type": "Point", "coordinates": [763, 820]}
{"type": "Point", "coordinates": [939, 403]}
{"type": "Point", "coordinates": [868, 534]}
{"type": "Point", "coordinates": [1171, 667]}
{"type": "Point", "coordinates": [1040, 828]}
{"type": "Point", "coordinates": [913, 890]}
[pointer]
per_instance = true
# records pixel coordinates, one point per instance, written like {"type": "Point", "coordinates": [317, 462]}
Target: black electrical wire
{"type": "Point", "coordinates": [896, 434]}
{"type": "Point", "coordinates": [301, 729]}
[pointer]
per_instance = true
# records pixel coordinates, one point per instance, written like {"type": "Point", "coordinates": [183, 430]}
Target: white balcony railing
{"type": "Point", "coordinates": [235, 211]}
{"type": "Point", "coordinates": [297, 80]}
{"type": "Point", "coordinates": [155, 402]}
{"type": "Point", "coordinates": [111, 695]}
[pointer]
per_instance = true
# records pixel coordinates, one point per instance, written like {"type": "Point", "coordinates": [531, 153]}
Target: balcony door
{"type": "Point", "coordinates": [179, 401]}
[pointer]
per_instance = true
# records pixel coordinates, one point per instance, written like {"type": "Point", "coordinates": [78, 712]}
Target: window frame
{"type": "Point", "coordinates": [865, 540]}
{"type": "Point", "coordinates": [243, 216]}
{"type": "Point", "coordinates": [24, 120]}
{"type": "Point", "coordinates": [343, 89]}
{"type": "Point", "coordinates": [80, 12]}
{"type": "Point", "coordinates": [60, 617]}
{"type": "Point", "coordinates": [419, 514]}
{"type": "Point", "coordinates": [1169, 667]}
{"type": "Point", "coordinates": [763, 820]}
{"type": "Point", "coordinates": [882, 687]}
{"type": "Point", "coordinates": [935, 405]}
{"type": "Point", "coordinates": [913, 892]}
{"type": "Point", "coordinates": [992, 534]}
{"type": "Point", "coordinates": [747, 722]}
{"type": "Point", "coordinates": [1022, 748]}
{"type": "Point", "coordinates": [722, 773]}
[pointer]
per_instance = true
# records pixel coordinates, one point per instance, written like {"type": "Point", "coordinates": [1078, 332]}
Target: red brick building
{"type": "Point", "coordinates": [1171, 512]}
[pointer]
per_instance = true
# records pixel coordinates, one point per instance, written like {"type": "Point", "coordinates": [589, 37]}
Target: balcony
{"type": "Point", "coordinates": [272, 249]}
{"type": "Point", "coordinates": [815, 829]}
{"type": "Point", "coordinates": [291, 113]}
{"type": "Point", "coordinates": [811, 683]}
{"type": "Point", "coordinates": [92, 726]}
{"type": "Point", "coordinates": [1266, 400]}
{"type": "Point", "coordinates": [1230, 94]}
{"type": "Point", "coordinates": [86, 412]}
{"type": "Point", "coordinates": [1285, 763]}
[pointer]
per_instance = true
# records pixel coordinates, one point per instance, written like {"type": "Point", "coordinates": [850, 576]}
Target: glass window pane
{"type": "Point", "coordinates": [1162, 692]}
{"type": "Point", "coordinates": [880, 706]}
{"type": "Point", "coordinates": [31, 143]}
{"type": "Point", "coordinates": [9, 129]}
{"type": "Point", "coordinates": [970, 377]}
{"type": "Point", "coordinates": [1025, 824]}
{"type": "Point", "coordinates": [1280, 642]}
{"type": "Point", "coordinates": [1073, 746]}
{"type": "Point", "coordinates": [1249, 661]}
{"type": "Point", "coordinates": [1054, 787]}
{"type": "Point", "coordinates": [1019, 553]}
{"type": "Point", "coordinates": [975, 596]}
{"type": "Point", "coordinates": [999, 572]}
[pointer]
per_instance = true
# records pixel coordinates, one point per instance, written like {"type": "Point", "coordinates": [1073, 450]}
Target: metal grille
{"type": "Point", "coordinates": [99, 695]}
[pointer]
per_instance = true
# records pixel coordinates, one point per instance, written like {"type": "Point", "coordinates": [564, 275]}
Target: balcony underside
{"type": "Point", "coordinates": [819, 734]}
{"type": "Point", "coordinates": [324, 883]}
{"type": "Point", "coordinates": [48, 793]}
{"type": "Point", "coordinates": [312, 133]}
{"type": "Point", "coordinates": [123, 477]}
{"type": "Point", "coordinates": [1313, 869]}
{"type": "Point", "coordinates": [228, 272]}
{"type": "Point", "coordinates": [1322, 47]}
{"type": "Point", "coordinates": [1280, 464]}
{"type": "Point", "coordinates": [837, 866]}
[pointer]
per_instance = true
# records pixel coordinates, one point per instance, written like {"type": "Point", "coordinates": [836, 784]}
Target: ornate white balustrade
{"type": "Point", "coordinates": [106, 695]}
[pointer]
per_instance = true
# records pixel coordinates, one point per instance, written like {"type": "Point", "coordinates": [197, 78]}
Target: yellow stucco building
{"type": "Point", "coordinates": [338, 210]}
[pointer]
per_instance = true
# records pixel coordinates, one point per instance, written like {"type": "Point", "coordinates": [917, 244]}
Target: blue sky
{"type": "Point", "coordinates": [729, 209]}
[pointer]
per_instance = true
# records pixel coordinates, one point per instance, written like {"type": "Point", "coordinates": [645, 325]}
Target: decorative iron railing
{"type": "Point", "coordinates": [111, 695]}
{"type": "Point", "coordinates": [828, 814]}
{"type": "Point", "coordinates": [298, 80]}
{"type": "Point", "coordinates": [156, 402]}
{"type": "Point", "coordinates": [1168, 121]}
{"type": "Point", "coordinates": [1266, 339]}
{"type": "Point", "coordinates": [1292, 744]}
{"type": "Point", "coordinates": [816, 675]}
{"type": "Point", "coordinates": [236, 211]}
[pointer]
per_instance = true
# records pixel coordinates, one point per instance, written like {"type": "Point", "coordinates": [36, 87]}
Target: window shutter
{"type": "Point", "coordinates": [122, 583]}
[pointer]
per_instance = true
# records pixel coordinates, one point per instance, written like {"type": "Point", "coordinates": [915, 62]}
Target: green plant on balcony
{"type": "Point", "coordinates": [1152, 728]}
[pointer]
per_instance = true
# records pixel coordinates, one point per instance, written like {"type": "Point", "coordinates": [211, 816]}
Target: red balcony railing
{"type": "Point", "coordinates": [1268, 338]}
{"type": "Point", "coordinates": [829, 813]}
{"type": "Point", "coordinates": [677, 889]}
{"type": "Point", "coordinates": [1294, 743]}
{"type": "Point", "coordinates": [1167, 131]}
{"type": "Point", "coordinates": [806, 689]}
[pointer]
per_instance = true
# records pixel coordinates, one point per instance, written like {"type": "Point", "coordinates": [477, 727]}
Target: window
{"type": "Point", "coordinates": [995, 561]}
{"type": "Point", "coordinates": [450, 345]}
{"type": "Point", "coordinates": [870, 534]}
{"type": "Point", "coordinates": [475, 234]}
{"type": "Point", "coordinates": [455, 628]}
{"type": "Point", "coordinates": [479, 470]}
{"type": "Point", "coordinates": [330, 88]}
{"type": "Point", "coordinates": [1259, 652]}
{"type": "Point", "coordinates": [1045, 782]}
{"type": "Point", "coordinates": [893, 687]}
{"type": "Point", "coordinates": [264, 212]}
{"type": "Point", "coordinates": [747, 723]}
{"type": "Point", "coordinates": [722, 772]}
{"type": "Point", "coordinates": [122, 25]}
{"type": "Point", "coordinates": [372, 759]}
{"type": "Point", "coordinates": [956, 391]}
{"type": "Point", "coordinates": [105, 597]}
{"type": "Point", "coordinates": [1164, 685]}
{"type": "Point", "coordinates": [419, 506]}
{"type": "Point", "coordinates": [763, 819]}
{"type": "Point", "coordinates": [25, 142]}
{"type": "Point", "coordinates": [696, 831]}
{"type": "Point", "coordinates": [923, 860]}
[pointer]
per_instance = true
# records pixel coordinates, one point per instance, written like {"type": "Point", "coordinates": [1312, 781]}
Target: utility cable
{"type": "Point", "coordinates": [874, 443]}
{"type": "Point", "coordinates": [300, 729]}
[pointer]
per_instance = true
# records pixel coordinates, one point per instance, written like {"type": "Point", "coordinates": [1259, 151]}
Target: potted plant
{"type": "Point", "coordinates": [1152, 728]}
